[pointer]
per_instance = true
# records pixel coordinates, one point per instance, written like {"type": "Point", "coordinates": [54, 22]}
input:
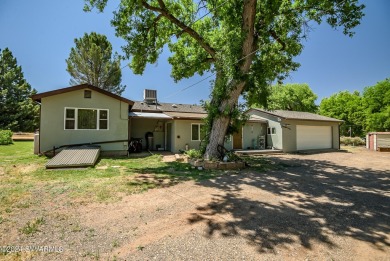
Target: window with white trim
{"type": "Point", "coordinates": [271, 130]}
{"type": "Point", "coordinates": [196, 132]}
{"type": "Point", "coordinates": [86, 119]}
{"type": "Point", "coordinates": [70, 119]}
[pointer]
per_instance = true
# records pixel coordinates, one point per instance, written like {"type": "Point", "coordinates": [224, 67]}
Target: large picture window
{"type": "Point", "coordinates": [196, 132]}
{"type": "Point", "coordinates": [86, 119]}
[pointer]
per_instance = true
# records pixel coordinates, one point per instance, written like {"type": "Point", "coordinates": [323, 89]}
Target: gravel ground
{"type": "Point", "coordinates": [329, 206]}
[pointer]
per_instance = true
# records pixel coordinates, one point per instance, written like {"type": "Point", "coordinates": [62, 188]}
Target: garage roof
{"type": "Point", "coordinates": [297, 115]}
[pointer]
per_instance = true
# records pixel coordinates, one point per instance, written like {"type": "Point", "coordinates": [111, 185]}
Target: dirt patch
{"type": "Point", "coordinates": [169, 158]}
{"type": "Point", "coordinates": [28, 168]}
{"type": "Point", "coordinates": [329, 206]}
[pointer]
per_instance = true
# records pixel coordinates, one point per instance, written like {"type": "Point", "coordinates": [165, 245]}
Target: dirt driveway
{"type": "Point", "coordinates": [330, 206]}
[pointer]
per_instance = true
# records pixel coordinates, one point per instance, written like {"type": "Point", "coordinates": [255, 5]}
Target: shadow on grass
{"type": "Point", "coordinates": [167, 174]}
{"type": "Point", "coordinates": [310, 201]}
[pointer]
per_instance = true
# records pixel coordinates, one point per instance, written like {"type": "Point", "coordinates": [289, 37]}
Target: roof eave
{"type": "Point", "coordinates": [38, 97]}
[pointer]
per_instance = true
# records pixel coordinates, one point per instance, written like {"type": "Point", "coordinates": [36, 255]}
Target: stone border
{"type": "Point", "coordinates": [217, 164]}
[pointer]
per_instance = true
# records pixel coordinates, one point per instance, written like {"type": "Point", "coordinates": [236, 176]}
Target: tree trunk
{"type": "Point", "coordinates": [221, 122]}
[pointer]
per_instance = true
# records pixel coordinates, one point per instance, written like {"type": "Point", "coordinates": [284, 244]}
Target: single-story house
{"type": "Point", "coordinates": [378, 140]}
{"type": "Point", "coordinates": [294, 130]}
{"type": "Point", "coordinates": [85, 114]}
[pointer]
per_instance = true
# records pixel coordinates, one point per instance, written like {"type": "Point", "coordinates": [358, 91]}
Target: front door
{"type": "Point", "coordinates": [237, 139]}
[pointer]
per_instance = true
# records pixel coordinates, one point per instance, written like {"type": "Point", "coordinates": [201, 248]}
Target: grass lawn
{"type": "Point", "coordinates": [24, 181]}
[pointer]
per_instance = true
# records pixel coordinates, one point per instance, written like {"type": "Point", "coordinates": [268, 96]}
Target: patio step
{"type": "Point", "coordinates": [75, 157]}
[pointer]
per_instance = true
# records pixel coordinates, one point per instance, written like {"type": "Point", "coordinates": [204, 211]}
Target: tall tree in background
{"type": "Point", "coordinates": [92, 62]}
{"type": "Point", "coordinates": [348, 107]}
{"type": "Point", "coordinates": [291, 97]}
{"type": "Point", "coordinates": [376, 101]}
{"type": "Point", "coordinates": [17, 110]}
{"type": "Point", "coordinates": [246, 43]}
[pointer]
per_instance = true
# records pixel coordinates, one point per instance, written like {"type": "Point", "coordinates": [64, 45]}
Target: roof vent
{"type": "Point", "coordinates": [174, 105]}
{"type": "Point", "coordinates": [150, 96]}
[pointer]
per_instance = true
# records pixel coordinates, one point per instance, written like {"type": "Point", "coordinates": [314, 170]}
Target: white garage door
{"type": "Point", "coordinates": [314, 137]}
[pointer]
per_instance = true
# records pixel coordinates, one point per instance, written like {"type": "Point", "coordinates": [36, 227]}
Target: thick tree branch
{"type": "Point", "coordinates": [276, 37]}
{"type": "Point", "coordinates": [164, 12]}
{"type": "Point", "coordinates": [248, 27]}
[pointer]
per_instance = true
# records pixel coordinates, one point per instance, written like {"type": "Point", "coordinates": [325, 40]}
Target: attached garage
{"type": "Point", "coordinates": [314, 137]}
{"type": "Point", "coordinates": [296, 130]}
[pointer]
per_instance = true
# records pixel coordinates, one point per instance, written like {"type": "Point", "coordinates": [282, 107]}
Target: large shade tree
{"type": "Point", "coordinates": [246, 43]}
{"type": "Point", "coordinates": [91, 61]}
{"type": "Point", "coordinates": [348, 107]}
{"type": "Point", "coordinates": [17, 111]}
{"type": "Point", "coordinates": [376, 101]}
{"type": "Point", "coordinates": [290, 97]}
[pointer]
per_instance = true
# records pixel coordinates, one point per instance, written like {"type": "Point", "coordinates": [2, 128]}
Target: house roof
{"type": "Point", "coordinates": [39, 96]}
{"type": "Point", "coordinates": [297, 115]}
{"type": "Point", "coordinates": [167, 107]}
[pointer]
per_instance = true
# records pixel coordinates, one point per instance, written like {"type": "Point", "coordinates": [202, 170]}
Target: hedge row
{"type": "Point", "coordinates": [355, 141]}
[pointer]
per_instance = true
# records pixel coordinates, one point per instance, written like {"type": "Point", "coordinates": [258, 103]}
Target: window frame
{"type": "Point", "coordinates": [271, 131]}
{"type": "Point", "coordinates": [87, 94]}
{"type": "Point", "coordinates": [199, 131]}
{"type": "Point", "coordinates": [76, 109]}
{"type": "Point", "coordinates": [70, 119]}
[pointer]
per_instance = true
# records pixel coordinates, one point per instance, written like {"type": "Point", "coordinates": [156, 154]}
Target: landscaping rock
{"type": "Point", "coordinates": [210, 165]}
{"type": "Point", "coordinates": [198, 163]}
{"type": "Point", "coordinates": [222, 165]}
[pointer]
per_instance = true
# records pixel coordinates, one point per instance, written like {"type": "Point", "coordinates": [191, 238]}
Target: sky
{"type": "Point", "coordinates": [41, 33]}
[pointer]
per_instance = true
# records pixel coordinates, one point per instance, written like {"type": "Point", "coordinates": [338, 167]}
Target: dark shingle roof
{"type": "Point", "coordinates": [298, 115]}
{"type": "Point", "coordinates": [167, 107]}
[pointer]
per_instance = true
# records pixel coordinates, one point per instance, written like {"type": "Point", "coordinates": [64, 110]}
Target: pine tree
{"type": "Point", "coordinates": [17, 111]}
{"type": "Point", "coordinates": [91, 62]}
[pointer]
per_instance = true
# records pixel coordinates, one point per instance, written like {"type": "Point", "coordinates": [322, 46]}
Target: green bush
{"type": "Point", "coordinates": [355, 141]}
{"type": "Point", "coordinates": [194, 154]}
{"type": "Point", "coordinates": [5, 137]}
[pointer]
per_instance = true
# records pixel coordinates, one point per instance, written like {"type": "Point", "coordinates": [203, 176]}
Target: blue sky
{"type": "Point", "coordinates": [41, 33]}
